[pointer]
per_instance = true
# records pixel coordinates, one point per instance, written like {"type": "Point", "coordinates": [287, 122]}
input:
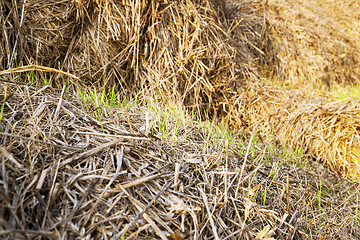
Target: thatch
{"type": "Point", "coordinates": [68, 172]}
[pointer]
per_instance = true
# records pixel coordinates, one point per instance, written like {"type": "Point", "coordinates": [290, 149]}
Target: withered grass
{"type": "Point", "coordinates": [207, 58]}
{"type": "Point", "coordinates": [68, 174]}
{"type": "Point", "coordinates": [315, 43]}
{"type": "Point", "coordinates": [204, 57]}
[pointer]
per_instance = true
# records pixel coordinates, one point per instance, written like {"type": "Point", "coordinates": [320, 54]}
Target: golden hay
{"type": "Point", "coordinates": [205, 59]}
{"type": "Point", "coordinates": [177, 48]}
{"type": "Point", "coordinates": [73, 173]}
{"type": "Point", "coordinates": [327, 131]}
{"type": "Point", "coordinates": [315, 42]}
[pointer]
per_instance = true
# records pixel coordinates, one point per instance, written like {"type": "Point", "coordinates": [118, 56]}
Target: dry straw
{"type": "Point", "coordinates": [86, 177]}
{"type": "Point", "coordinates": [191, 52]}
{"type": "Point", "coordinates": [66, 174]}
{"type": "Point", "coordinates": [327, 131]}
{"type": "Point", "coordinates": [315, 42]}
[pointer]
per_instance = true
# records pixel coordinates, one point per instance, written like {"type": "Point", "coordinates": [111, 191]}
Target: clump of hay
{"type": "Point", "coordinates": [315, 42]}
{"type": "Point", "coordinates": [174, 48]}
{"type": "Point", "coordinates": [327, 131]}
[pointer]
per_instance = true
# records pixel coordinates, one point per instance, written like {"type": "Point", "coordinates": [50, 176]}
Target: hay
{"type": "Point", "coordinates": [196, 55]}
{"type": "Point", "coordinates": [66, 174]}
{"type": "Point", "coordinates": [174, 48]}
{"type": "Point", "coordinates": [314, 43]}
{"type": "Point", "coordinates": [84, 181]}
{"type": "Point", "coordinates": [328, 131]}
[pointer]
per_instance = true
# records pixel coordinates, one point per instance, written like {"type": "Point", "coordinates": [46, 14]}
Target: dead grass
{"type": "Point", "coordinates": [225, 63]}
{"type": "Point", "coordinates": [186, 52]}
{"type": "Point", "coordinates": [208, 60]}
{"type": "Point", "coordinates": [67, 174]}
{"type": "Point", "coordinates": [315, 44]}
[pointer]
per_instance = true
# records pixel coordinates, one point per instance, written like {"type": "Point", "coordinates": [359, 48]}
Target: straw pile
{"type": "Point", "coordinates": [74, 173]}
{"type": "Point", "coordinates": [327, 131]}
{"type": "Point", "coordinates": [174, 48]}
{"type": "Point", "coordinates": [314, 43]}
{"type": "Point", "coordinates": [203, 56]}
{"type": "Point", "coordinates": [66, 174]}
